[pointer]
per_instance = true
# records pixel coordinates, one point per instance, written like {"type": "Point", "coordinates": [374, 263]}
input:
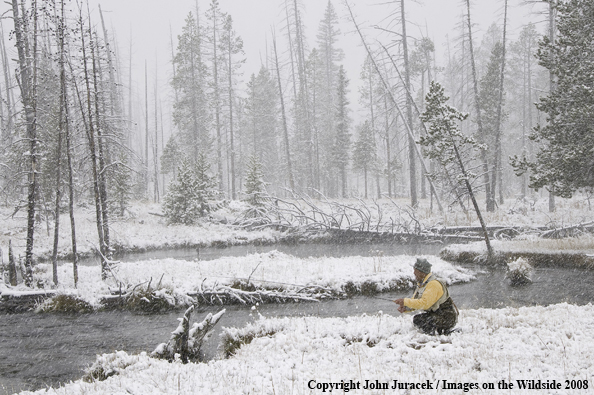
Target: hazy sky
{"type": "Point", "coordinates": [150, 24]}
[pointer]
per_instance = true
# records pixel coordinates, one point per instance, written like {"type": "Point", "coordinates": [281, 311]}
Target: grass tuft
{"type": "Point", "coordinates": [65, 303]}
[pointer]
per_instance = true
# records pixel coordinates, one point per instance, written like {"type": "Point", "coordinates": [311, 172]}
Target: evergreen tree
{"type": "Point", "coordinates": [324, 61]}
{"type": "Point", "coordinates": [342, 139]}
{"type": "Point", "coordinates": [191, 195]}
{"type": "Point", "coordinates": [489, 99]}
{"type": "Point", "coordinates": [564, 162]}
{"type": "Point", "coordinates": [254, 188]}
{"type": "Point", "coordinates": [445, 143]}
{"type": "Point", "coordinates": [364, 153]}
{"type": "Point", "coordinates": [170, 157]}
{"type": "Point", "coordinates": [216, 22]}
{"type": "Point", "coordinates": [190, 110]}
{"type": "Point", "coordinates": [261, 121]}
{"type": "Point", "coordinates": [526, 83]}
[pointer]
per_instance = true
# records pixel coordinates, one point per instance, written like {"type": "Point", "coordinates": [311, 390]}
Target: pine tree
{"type": "Point", "coordinates": [191, 112]}
{"type": "Point", "coordinates": [231, 47]}
{"type": "Point", "coordinates": [445, 143]}
{"type": "Point", "coordinates": [489, 99]}
{"type": "Point", "coordinates": [255, 188]}
{"type": "Point", "coordinates": [528, 81]}
{"type": "Point", "coordinates": [261, 121]}
{"type": "Point", "coordinates": [364, 154]}
{"type": "Point", "coordinates": [564, 162]}
{"type": "Point", "coordinates": [342, 139]}
{"type": "Point", "coordinates": [191, 195]}
{"type": "Point", "coordinates": [324, 62]}
{"type": "Point", "coordinates": [171, 156]}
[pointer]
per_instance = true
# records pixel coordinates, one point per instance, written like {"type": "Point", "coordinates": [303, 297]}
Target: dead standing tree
{"type": "Point", "coordinates": [94, 140]}
{"type": "Point", "coordinates": [479, 122]}
{"type": "Point", "coordinates": [394, 102]}
{"type": "Point", "coordinates": [27, 79]}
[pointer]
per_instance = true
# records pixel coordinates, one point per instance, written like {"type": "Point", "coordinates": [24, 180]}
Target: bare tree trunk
{"type": "Point", "coordinates": [90, 130]}
{"type": "Point", "coordinates": [28, 83]}
{"type": "Point", "coordinates": [130, 122]}
{"type": "Point", "coordinates": [101, 145]}
{"type": "Point", "coordinates": [474, 203]}
{"type": "Point", "coordinates": [496, 174]}
{"type": "Point", "coordinates": [552, 81]}
{"type": "Point", "coordinates": [408, 120]}
{"type": "Point", "coordinates": [70, 186]}
{"type": "Point", "coordinates": [284, 118]}
{"type": "Point", "coordinates": [231, 130]}
{"type": "Point", "coordinates": [217, 100]}
{"type": "Point", "coordinates": [12, 273]}
{"type": "Point", "coordinates": [479, 122]}
{"type": "Point", "coordinates": [146, 130]}
{"type": "Point", "coordinates": [59, 162]}
{"type": "Point", "coordinates": [388, 148]}
{"type": "Point", "coordinates": [156, 143]}
{"type": "Point", "coordinates": [9, 125]}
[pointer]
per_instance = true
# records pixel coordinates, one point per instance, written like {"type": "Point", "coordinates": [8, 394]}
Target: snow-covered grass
{"type": "Point", "coordinates": [141, 230]}
{"type": "Point", "coordinates": [267, 270]}
{"type": "Point", "coordinates": [301, 355]}
{"type": "Point", "coordinates": [292, 355]}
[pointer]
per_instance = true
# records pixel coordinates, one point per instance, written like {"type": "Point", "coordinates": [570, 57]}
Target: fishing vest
{"type": "Point", "coordinates": [421, 288]}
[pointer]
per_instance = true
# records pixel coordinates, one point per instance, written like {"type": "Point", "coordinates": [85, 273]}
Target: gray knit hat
{"type": "Point", "coordinates": [423, 265]}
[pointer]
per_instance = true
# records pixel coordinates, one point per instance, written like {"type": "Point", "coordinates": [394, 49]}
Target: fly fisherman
{"type": "Point", "coordinates": [432, 296]}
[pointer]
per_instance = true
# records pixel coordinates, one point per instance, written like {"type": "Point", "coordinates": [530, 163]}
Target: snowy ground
{"type": "Point", "coordinates": [140, 229]}
{"type": "Point", "coordinates": [305, 354]}
{"type": "Point", "coordinates": [549, 345]}
{"type": "Point", "coordinates": [137, 231]}
{"type": "Point", "coordinates": [272, 269]}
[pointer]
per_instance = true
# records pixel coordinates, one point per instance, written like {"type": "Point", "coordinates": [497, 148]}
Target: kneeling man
{"type": "Point", "coordinates": [432, 296]}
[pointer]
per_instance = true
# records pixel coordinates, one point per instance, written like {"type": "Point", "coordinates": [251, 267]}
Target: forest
{"type": "Point", "coordinates": [505, 117]}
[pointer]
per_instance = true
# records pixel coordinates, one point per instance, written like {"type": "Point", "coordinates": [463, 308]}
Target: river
{"type": "Point", "coordinates": [39, 350]}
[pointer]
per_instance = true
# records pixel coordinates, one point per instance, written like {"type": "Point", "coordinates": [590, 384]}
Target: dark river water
{"type": "Point", "coordinates": [39, 350]}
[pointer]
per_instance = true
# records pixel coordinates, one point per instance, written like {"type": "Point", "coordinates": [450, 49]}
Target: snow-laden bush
{"type": "Point", "coordinates": [233, 339]}
{"type": "Point", "coordinates": [65, 303]}
{"type": "Point", "coordinates": [108, 365]}
{"type": "Point", "coordinates": [519, 272]}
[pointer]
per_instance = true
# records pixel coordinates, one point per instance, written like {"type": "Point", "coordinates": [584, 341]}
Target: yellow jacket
{"type": "Point", "coordinates": [430, 296]}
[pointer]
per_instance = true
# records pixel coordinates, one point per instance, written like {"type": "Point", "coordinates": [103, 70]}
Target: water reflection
{"type": "Point", "coordinates": [298, 250]}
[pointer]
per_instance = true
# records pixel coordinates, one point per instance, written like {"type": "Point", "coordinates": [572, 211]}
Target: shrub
{"type": "Point", "coordinates": [65, 303]}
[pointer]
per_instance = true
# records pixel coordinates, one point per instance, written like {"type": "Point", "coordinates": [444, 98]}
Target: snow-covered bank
{"type": "Point", "coordinates": [140, 230]}
{"type": "Point", "coordinates": [271, 270]}
{"type": "Point", "coordinates": [143, 228]}
{"type": "Point", "coordinates": [574, 252]}
{"type": "Point", "coordinates": [517, 346]}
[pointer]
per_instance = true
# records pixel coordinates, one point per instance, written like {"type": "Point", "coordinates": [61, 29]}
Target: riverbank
{"type": "Point", "coordinates": [143, 228]}
{"type": "Point", "coordinates": [574, 252]}
{"type": "Point", "coordinates": [175, 283]}
{"type": "Point", "coordinates": [527, 346]}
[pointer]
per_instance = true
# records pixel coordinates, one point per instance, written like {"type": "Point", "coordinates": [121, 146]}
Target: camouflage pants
{"type": "Point", "coordinates": [438, 322]}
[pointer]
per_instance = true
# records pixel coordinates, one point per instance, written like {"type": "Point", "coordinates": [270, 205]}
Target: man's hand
{"type": "Point", "coordinates": [400, 303]}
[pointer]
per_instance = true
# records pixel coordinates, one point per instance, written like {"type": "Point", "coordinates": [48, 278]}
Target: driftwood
{"type": "Point", "coordinates": [186, 342]}
{"type": "Point", "coordinates": [568, 231]}
{"type": "Point", "coordinates": [224, 295]}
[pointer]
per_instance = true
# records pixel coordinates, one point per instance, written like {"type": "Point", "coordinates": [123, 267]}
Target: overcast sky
{"type": "Point", "coordinates": [150, 25]}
